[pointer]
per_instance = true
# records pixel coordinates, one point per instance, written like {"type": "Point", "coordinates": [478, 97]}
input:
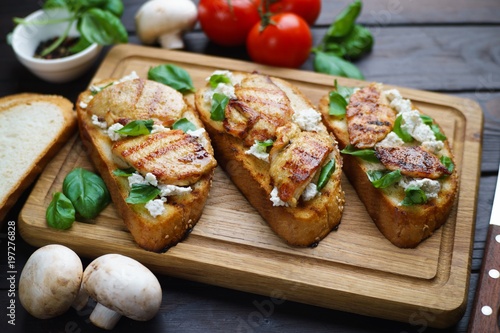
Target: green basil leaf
{"type": "Point", "coordinates": [219, 103]}
{"type": "Point", "coordinates": [184, 125]}
{"type": "Point", "coordinates": [99, 89]}
{"type": "Point", "coordinates": [172, 76]}
{"type": "Point", "coordinates": [102, 27]}
{"type": "Point", "coordinates": [218, 78]}
{"type": "Point", "coordinates": [337, 104]}
{"type": "Point", "coordinates": [333, 65]}
{"type": "Point", "coordinates": [357, 43]}
{"type": "Point", "coordinates": [266, 143]}
{"type": "Point", "coordinates": [437, 133]}
{"type": "Point", "coordinates": [81, 45]}
{"type": "Point", "coordinates": [448, 163]}
{"type": "Point", "coordinates": [345, 92]}
{"type": "Point", "coordinates": [115, 7]}
{"type": "Point", "coordinates": [87, 191]}
{"type": "Point", "coordinates": [51, 4]}
{"type": "Point", "coordinates": [365, 154]}
{"type": "Point", "coordinates": [142, 193]}
{"type": "Point", "coordinates": [123, 172]}
{"type": "Point", "coordinates": [402, 133]}
{"type": "Point", "coordinates": [331, 48]}
{"type": "Point", "coordinates": [137, 127]}
{"type": "Point", "coordinates": [434, 127]}
{"type": "Point", "coordinates": [426, 119]}
{"type": "Point", "coordinates": [344, 22]}
{"type": "Point", "coordinates": [382, 178]}
{"type": "Point", "coordinates": [83, 5]}
{"type": "Point", "coordinates": [339, 99]}
{"type": "Point", "coordinates": [414, 196]}
{"type": "Point", "coordinates": [325, 174]}
{"type": "Point", "coordinates": [60, 213]}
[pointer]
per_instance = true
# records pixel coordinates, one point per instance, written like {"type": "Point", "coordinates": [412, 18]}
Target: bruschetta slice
{"type": "Point", "coordinates": [398, 160]}
{"type": "Point", "coordinates": [153, 153]}
{"type": "Point", "coordinates": [269, 139]}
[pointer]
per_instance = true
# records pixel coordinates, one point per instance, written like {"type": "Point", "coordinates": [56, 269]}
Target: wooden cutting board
{"type": "Point", "coordinates": [354, 269]}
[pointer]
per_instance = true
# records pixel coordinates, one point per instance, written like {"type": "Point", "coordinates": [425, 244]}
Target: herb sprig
{"type": "Point", "coordinates": [97, 21]}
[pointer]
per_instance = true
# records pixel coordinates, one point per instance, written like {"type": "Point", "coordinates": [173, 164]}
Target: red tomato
{"type": "Point", "coordinates": [227, 22]}
{"type": "Point", "coordinates": [285, 42]}
{"type": "Point", "coordinates": [307, 9]}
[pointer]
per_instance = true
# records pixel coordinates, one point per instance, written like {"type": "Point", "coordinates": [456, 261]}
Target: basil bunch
{"type": "Point", "coordinates": [343, 40]}
{"type": "Point", "coordinates": [172, 76]}
{"type": "Point", "coordinates": [98, 21]}
{"type": "Point", "coordinates": [84, 193]}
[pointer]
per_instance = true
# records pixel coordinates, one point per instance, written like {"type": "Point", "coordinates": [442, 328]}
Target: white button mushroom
{"type": "Point", "coordinates": [121, 286]}
{"type": "Point", "coordinates": [50, 281]}
{"type": "Point", "coordinates": [165, 21]}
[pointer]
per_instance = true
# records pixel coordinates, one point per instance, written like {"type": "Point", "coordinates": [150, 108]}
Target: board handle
{"type": "Point", "coordinates": [484, 317]}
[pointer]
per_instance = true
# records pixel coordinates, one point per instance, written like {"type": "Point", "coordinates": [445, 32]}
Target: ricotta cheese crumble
{"type": "Point", "coordinates": [155, 206]}
{"type": "Point", "coordinates": [258, 151]}
{"type": "Point", "coordinates": [308, 120]}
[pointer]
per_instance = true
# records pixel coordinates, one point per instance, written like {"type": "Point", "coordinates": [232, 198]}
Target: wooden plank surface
{"type": "Point", "coordinates": [255, 260]}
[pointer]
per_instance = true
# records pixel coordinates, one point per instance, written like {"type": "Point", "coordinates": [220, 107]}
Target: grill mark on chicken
{"type": "Point", "coordinates": [239, 118]}
{"type": "Point", "coordinates": [138, 99]}
{"type": "Point", "coordinates": [412, 161]}
{"type": "Point", "coordinates": [369, 117]}
{"type": "Point", "coordinates": [173, 156]}
{"type": "Point", "coordinates": [259, 108]}
{"type": "Point", "coordinates": [293, 166]}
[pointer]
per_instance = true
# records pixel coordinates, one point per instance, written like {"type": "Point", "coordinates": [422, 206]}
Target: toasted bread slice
{"type": "Point", "coordinates": [263, 108]}
{"type": "Point", "coordinates": [403, 223]}
{"type": "Point", "coordinates": [34, 127]}
{"type": "Point", "coordinates": [159, 158]}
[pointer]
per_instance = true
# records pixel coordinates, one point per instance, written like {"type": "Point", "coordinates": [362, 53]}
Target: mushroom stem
{"type": "Point", "coordinates": [81, 300]}
{"type": "Point", "coordinates": [172, 40]}
{"type": "Point", "coordinates": [104, 317]}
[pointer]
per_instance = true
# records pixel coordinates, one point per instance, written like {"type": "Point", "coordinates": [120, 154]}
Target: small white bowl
{"type": "Point", "coordinates": [26, 38]}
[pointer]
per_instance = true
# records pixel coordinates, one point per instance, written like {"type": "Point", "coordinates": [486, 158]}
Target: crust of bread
{"type": "Point", "coordinates": [40, 158]}
{"type": "Point", "coordinates": [182, 212]}
{"type": "Point", "coordinates": [403, 226]}
{"type": "Point", "coordinates": [304, 225]}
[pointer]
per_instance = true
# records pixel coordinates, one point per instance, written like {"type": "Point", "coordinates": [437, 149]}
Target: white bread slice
{"type": "Point", "coordinates": [34, 127]}
{"type": "Point", "coordinates": [182, 212]}
{"type": "Point", "coordinates": [404, 226]}
{"type": "Point", "coordinates": [303, 225]}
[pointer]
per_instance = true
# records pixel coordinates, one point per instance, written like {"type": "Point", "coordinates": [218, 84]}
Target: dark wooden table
{"type": "Point", "coordinates": [451, 47]}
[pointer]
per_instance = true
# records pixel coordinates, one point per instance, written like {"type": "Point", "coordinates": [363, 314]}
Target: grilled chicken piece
{"type": "Point", "coordinates": [259, 108]}
{"type": "Point", "coordinates": [369, 117]}
{"type": "Point", "coordinates": [412, 161]}
{"type": "Point", "coordinates": [138, 99]}
{"type": "Point", "coordinates": [296, 159]}
{"type": "Point", "coordinates": [172, 156]}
